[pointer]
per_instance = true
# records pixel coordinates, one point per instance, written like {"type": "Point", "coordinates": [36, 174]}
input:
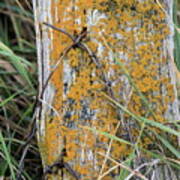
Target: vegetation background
{"type": "Point", "coordinates": [18, 86]}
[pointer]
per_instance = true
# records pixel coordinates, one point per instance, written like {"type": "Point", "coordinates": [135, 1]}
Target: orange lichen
{"type": "Point", "coordinates": [134, 30]}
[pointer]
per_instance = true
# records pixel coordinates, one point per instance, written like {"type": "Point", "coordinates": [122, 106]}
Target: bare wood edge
{"type": "Point", "coordinates": [42, 13]}
{"type": "Point", "coordinates": [166, 171]}
{"type": "Point", "coordinates": [172, 67]}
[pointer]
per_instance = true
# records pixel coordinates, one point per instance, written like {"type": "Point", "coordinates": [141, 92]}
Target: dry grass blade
{"type": "Point", "coordinates": [174, 160]}
{"type": "Point", "coordinates": [26, 19]}
{"type": "Point", "coordinates": [150, 164]}
{"type": "Point", "coordinates": [134, 172]}
{"type": "Point", "coordinates": [9, 68]}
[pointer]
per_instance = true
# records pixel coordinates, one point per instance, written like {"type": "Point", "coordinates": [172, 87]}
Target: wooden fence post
{"type": "Point", "coordinates": [105, 52]}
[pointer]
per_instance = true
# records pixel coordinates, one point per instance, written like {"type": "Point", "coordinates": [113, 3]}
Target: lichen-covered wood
{"type": "Point", "coordinates": [137, 34]}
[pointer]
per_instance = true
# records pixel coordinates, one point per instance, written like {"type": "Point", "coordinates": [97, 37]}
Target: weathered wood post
{"type": "Point", "coordinates": [77, 72]}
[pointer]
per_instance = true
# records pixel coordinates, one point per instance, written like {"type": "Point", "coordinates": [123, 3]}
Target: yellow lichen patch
{"type": "Point", "coordinates": [134, 32]}
{"type": "Point", "coordinates": [52, 140]}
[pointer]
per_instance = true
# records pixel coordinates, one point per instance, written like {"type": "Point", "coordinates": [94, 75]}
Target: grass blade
{"type": "Point", "coordinates": [19, 63]}
{"type": "Point", "coordinates": [7, 155]}
{"type": "Point", "coordinates": [10, 98]}
{"type": "Point", "coordinates": [108, 135]}
{"type": "Point", "coordinates": [142, 119]}
{"type": "Point", "coordinates": [169, 146]}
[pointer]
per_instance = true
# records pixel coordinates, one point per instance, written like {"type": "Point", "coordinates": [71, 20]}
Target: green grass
{"type": "Point", "coordinates": [18, 88]}
{"type": "Point", "coordinates": [176, 35]}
